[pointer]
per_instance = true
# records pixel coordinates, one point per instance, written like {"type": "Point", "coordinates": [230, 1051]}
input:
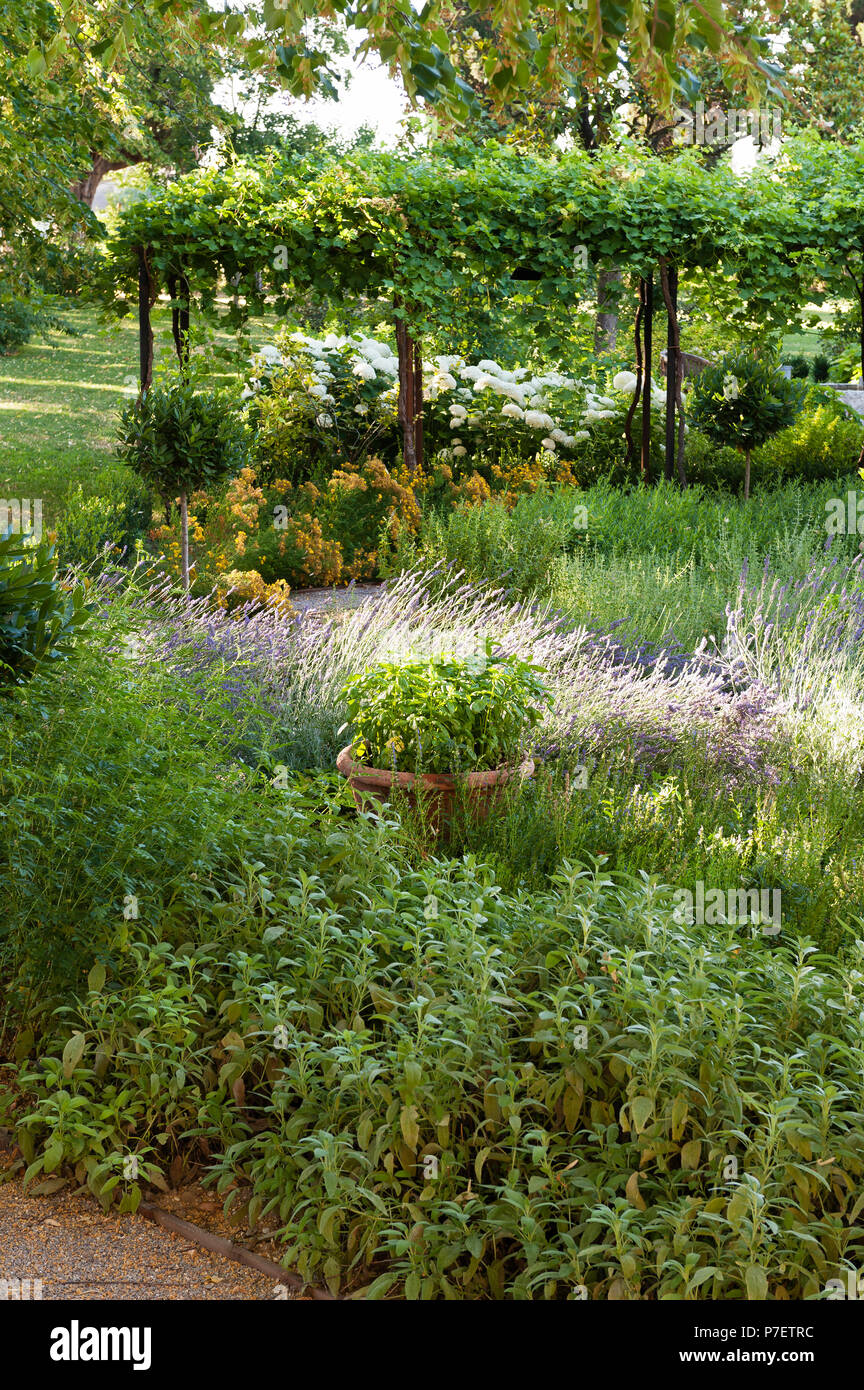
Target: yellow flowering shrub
{"type": "Point", "coordinates": [239, 587]}
{"type": "Point", "coordinates": [296, 535]}
{"type": "Point", "coordinates": [362, 502]}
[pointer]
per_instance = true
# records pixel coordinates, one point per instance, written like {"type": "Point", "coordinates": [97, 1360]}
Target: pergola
{"type": "Point", "coordinates": [421, 231]}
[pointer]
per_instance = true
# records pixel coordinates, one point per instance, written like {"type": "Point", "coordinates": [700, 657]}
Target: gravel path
{"type": "Point", "coordinates": [330, 601]}
{"type": "Point", "coordinates": [78, 1253]}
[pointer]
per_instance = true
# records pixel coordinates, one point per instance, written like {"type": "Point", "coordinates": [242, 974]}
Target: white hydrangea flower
{"type": "Point", "coordinates": [365, 370]}
{"type": "Point", "coordinates": [513, 410]}
{"type": "Point", "coordinates": [270, 353]}
{"type": "Point", "coordinates": [509, 388]}
{"type": "Point", "coordinates": [457, 411]}
{"type": "Point", "coordinates": [470, 373]}
{"type": "Point", "coordinates": [444, 381]}
{"type": "Point", "coordinates": [487, 365]}
{"type": "Point", "coordinates": [388, 366]}
{"type": "Point", "coordinates": [581, 435]}
{"type": "Point", "coordinates": [538, 421]}
{"type": "Point", "coordinates": [459, 452]}
{"type": "Point", "coordinates": [318, 390]}
{"type": "Point", "coordinates": [362, 408]}
{"type": "Point", "coordinates": [625, 381]}
{"type": "Point", "coordinates": [548, 444]}
{"type": "Point", "coordinates": [325, 421]}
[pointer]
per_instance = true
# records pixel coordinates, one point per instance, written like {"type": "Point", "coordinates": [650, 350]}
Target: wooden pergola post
{"type": "Point", "coordinates": [673, 357]}
{"type": "Point", "coordinates": [145, 327]}
{"type": "Point", "coordinates": [178, 288]}
{"type": "Point", "coordinates": [674, 461]}
{"type": "Point", "coordinates": [410, 396]}
{"type": "Point", "coordinates": [647, 318]}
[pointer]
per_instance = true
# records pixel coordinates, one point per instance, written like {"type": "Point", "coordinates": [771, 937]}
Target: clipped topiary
{"type": "Point", "coordinates": [179, 439]}
{"type": "Point", "coordinates": [744, 400]}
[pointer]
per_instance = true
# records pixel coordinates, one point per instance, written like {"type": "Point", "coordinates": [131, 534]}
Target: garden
{"type": "Point", "coordinates": [432, 716]}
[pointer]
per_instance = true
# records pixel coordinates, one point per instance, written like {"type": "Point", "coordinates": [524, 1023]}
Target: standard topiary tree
{"type": "Point", "coordinates": [179, 439]}
{"type": "Point", "coordinates": [743, 401]}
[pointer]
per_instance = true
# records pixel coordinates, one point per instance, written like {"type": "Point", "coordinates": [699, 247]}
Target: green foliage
{"type": "Point", "coordinates": [847, 364]}
{"type": "Point", "coordinates": [822, 443]}
{"type": "Point", "coordinates": [444, 714]}
{"type": "Point", "coordinates": [96, 526]}
{"type": "Point", "coordinates": [39, 616]}
{"type": "Point", "coordinates": [225, 974]}
{"type": "Point", "coordinates": [20, 319]}
{"type": "Point", "coordinates": [434, 1090]}
{"type": "Point", "coordinates": [653, 559]}
{"type": "Point", "coordinates": [470, 224]}
{"type": "Point", "coordinates": [744, 400]}
{"type": "Point", "coordinates": [179, 438]}
{"type": "Point", "coordinates": [17, 323]}
{"type": "Point", "coordinates": [821, 368]}
{"type": "Point", "coordinates": [800, 368]}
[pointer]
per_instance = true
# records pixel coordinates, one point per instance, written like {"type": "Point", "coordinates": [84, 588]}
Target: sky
{"type": "Point", "coordinates": [375, 99]}
{"type": "Point", "coordinates": [372, 98]}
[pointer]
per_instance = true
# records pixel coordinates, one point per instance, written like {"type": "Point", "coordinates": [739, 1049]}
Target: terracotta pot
{"type": "Point", "coordinates": [439, 788]}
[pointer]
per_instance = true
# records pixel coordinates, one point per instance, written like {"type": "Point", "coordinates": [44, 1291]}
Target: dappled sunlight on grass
{"type": "Point", "coordinates": [66, 392]}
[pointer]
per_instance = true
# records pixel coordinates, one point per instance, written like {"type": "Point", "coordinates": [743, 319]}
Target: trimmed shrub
{"type": "Point", "coordinates": [97, 527]}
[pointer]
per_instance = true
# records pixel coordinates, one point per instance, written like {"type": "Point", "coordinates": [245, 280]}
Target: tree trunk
{"type": "Point", "coordinates": [178, 289]}
{"type": "Point", "coordinates": [606, 322]}
{"type": "Point", "coordinates": [672, 367]}
{"type": "Point", "coordinates": [669, 285]}
{"type": "Point", "coordinates": [648, 295]}
{"type": "Point", "coordinates": [637, 336]}
{"type": "Point", "coordinates": [184, 541]}
{"type": "Point", "coordinates": [85, 189]}
{"type": "Point", "coordinates": [410, 396]}
{"type": "Point", "coordinates": [146, 297]}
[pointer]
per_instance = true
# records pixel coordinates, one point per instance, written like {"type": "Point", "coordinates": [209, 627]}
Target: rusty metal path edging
{"type": "Point", "coordinates": [218, 1245]}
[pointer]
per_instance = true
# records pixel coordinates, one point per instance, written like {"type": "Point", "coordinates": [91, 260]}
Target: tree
{"type": "Point", "coordinates": [744, 400]}
{"type": "Point", "coordinates": [85, 87]}
{"type": "Point", "coordinates": [36, 115]}
{"type": "Point", "coordinates": [179, 439]}
{"type": "Point", "coordinates": [825, 180]}
{"type": "Point", "coordinates": [153, 106]}
{"type": "Point", "coordinates": [823, 56]}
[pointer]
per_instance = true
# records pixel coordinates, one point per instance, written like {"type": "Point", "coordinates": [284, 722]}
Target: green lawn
{"type": "Point", "coordinates": [59, 399]}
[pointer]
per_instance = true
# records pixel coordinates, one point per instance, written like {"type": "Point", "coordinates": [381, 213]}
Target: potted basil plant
{"type": "Point", "coordinates": [440, 723]}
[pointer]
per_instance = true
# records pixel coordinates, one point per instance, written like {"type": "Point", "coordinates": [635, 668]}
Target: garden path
{"type": "Point", "coordinates": [328, 601]}
{"type": "Point", "coordinates": [78, 1253]}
